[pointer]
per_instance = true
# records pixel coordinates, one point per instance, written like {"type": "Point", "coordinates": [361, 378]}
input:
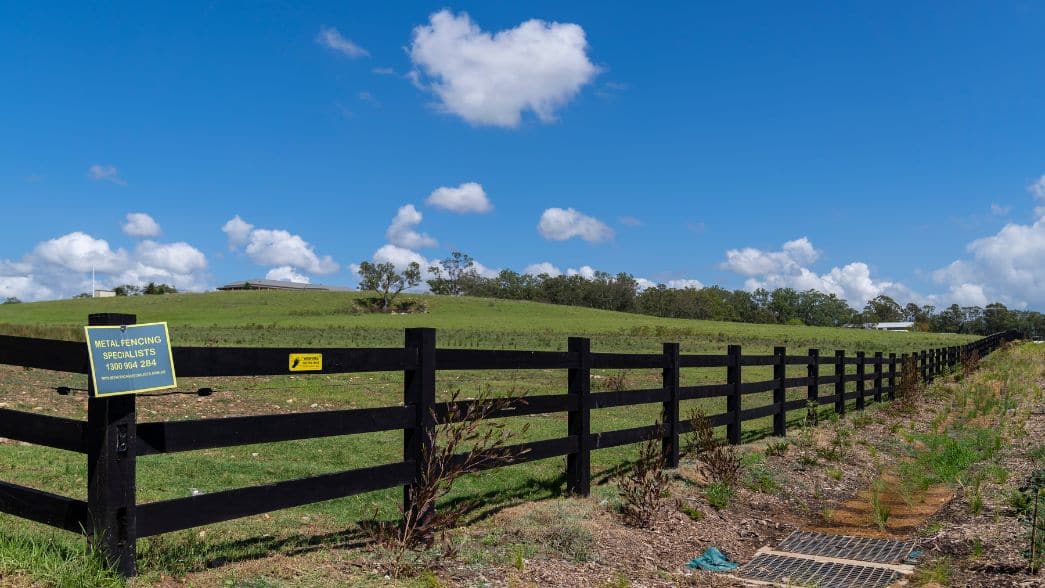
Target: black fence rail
{"type": "Point", "coordinates": [112, 438]}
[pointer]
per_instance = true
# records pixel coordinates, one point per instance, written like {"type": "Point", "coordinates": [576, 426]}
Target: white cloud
{"type": "Point", "coordinates": [287, 274]}
{"type": "Point", "coordinates": [238, 231]}
{"type": "Point", "coordinates": [630, 221]}
{"type": "Point", "coordinates": [278, 247]}
{"type": "Point", "coordinates": [106, 173]}
{"type": "Point", "coordinates": [754, 262]}
{"type": "Point", "coordinates": [80, 252]}
{"type": "Point", "coordinates": [644, 284]}
{"type": "Point", "coordinates": [999, 210]}
{"type": "Point", "coordinates": [544, 267]}
{"type": "Point", "coordinates": [400, 257]}
{"type": "Point", "coordinates": [682, 284]}
{"type": "Point", "coordinates": [140, 224]}
{"type": "Point", "coordinates": [330, 38]}
{"type": "Point", "coordinates": [63, 266]}
{"type": "Point", "coordinates": [468, 197]}
{"type": "Point", "coordinates": [491, 79]}
{"type": "Point", "coordinates": [24, 288]}
{"type": "Point", "coordinates": [1038, 188]}
{"type": "Point", "coordinates": [401, 231]}
{"type": "Point", "coordinates": [561, 224]}
{"type": "Point", "coordinates": [787, 269]}
{"type": "Point", "coordinates": [586, 271]}
{"type": "Point", "coordinates": [1008, 266]}
{"type": "Point", "coordinates": [967, 295]}
{"type": "Point", "coordinates": [177, 258]}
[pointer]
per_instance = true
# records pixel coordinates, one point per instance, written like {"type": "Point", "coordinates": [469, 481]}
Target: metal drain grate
{"type": "Point", "coordinates": [793, 570]}
{"type": "Point", "coordinates": [843, 547]}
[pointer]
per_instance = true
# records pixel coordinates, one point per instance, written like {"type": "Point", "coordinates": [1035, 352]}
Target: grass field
{"type": "Point", "coordinates": [328, 319]}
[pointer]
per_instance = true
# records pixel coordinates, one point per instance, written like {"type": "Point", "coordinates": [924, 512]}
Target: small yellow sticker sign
{"type": "Point", "coordinates": [306, 362]}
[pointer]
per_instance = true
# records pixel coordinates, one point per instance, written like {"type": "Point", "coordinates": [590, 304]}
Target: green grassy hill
{"type": "Point", "coordinates": [326, 318]}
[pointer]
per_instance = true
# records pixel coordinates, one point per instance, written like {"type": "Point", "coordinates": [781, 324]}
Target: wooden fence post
{"type": "Point", "coordinates": [111, 468]}
{"type": "Point", "coordinates": [419, 392]}
{"type": "Point", "coordinates": [861, 371]}
{"type": "Point", "coordinates": [578, 465]}
{"type": "Point", "coordinates": [878, 376]}
{"type": "Point", "coordinates": [734, 376]}
{"type": "Point", "coordinates": [670, 379]}
{"type": "Point", "coordinates": [924, 367]}
{"type": "Point", "coordinates": [813, 389]}
{"type": "Point", "coordinates": [840, 383]}
{"type": "Point", "coordinates": [780, 392]}
{"type": "Point", "coordinates": [892, 376]}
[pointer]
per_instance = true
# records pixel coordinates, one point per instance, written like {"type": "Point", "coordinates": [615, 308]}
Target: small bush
{"type": "Point", "coordinates": [722, 463]}
{"type": "Point", "coordinates": [719, 495]}
{"type": "Point", "coordinates": [937, 571]}
{"type": "Point", "coordinates": [910, 387]}
{"type": "Point", "coordinates": [643, 486]}
{"type": "Point", "coordinates": [695, 514]}
{"type": "Point", "coordinates": [776, 448]}
{"type": "Point", "coordinates": [760, 479]}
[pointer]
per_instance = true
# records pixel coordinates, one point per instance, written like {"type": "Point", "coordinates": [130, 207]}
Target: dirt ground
{"type": "Point", "coordinates": [832, 495]}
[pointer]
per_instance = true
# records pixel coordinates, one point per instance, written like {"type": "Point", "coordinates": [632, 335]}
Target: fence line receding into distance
{"type": "Point", "coordinates": [112, 438]}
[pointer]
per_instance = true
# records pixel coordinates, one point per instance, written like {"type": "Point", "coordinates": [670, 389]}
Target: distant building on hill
{"type": "Point", "coordinates": [281, 285]}
{"type": "Point", "coordinates": [104, 293]}
{"type": "Point", "coordinates": [901, 326]}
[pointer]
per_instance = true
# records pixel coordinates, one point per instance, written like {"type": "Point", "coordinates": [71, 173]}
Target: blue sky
{"type": "Point", "coordinates": [855, 148]}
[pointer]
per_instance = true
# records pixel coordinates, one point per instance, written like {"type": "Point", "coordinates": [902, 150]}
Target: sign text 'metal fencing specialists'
{"type": "Point", "coordinates": [130, 359]}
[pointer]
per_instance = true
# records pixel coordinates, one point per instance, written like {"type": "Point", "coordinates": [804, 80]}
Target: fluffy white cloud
{"type": "Point", "coordinates": [755, 262]}
{"type": "Point", "coordinates": [177, 258]}
{"type": "Point", "coordinates": [277, 247]}
{"type": "Point", "coordinates": [967, 295]}
{"type": "Point", "coordinates": [468, 197]}
{"type": "Point", "coordinates": [400, 257]}
{"type": "Point", "coordinates": [286, 274]}
{"type": "Point", "coordinates": [330, 38]}
{"type": "Point", "coordinates": [560, 224]}
{"type": "Point", "coordinates": [401, 231]}
{"type": "Point", "coordinates": [107, 173]}
{"type": "Point", "coordinates": [786, 268]}
{"type": "Point", "coordinates": [63, 266]}
{"type": "Point", "coordinates": [140, 224]}
{"type": "Point", "coordinates": [237, 230]}
{"type": "Point", "coordinates": [1008, 266]}
{"type": "Point", "coordinates": [80, 252]}
{"type": "Point", "coordinates": [24, 288]}
{"type": "Point", "coordinates": [586, 271]}
{"type": "Point", "coordinates": [544, 267]}
{"type": "Point", "coordinates": [491, 79]}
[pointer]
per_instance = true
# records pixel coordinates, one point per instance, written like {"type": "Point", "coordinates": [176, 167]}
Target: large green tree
{"type": "Point", "coordinates": [386, 281]}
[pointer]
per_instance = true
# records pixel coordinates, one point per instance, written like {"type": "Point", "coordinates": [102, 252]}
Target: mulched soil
{"type": "Point", "coordinates": [832, 496]}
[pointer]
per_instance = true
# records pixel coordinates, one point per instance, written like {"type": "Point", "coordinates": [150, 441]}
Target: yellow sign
{"type": "Point", "coordinates": [306, 362]}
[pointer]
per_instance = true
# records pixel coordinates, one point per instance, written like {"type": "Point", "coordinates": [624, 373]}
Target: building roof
{"type": "Point", "coordinates": [894, 325]}
{"type": "Point", "coordinates": [263, 284]}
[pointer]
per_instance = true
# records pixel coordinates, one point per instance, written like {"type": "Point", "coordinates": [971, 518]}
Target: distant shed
{"type": "Point", "coordinates": [894, 326]}
{"type": "Point", "coordinates": [281, 285]}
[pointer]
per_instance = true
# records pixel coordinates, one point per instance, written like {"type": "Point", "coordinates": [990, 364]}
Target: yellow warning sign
{"type": "Point", "coordinates": [306, 362]}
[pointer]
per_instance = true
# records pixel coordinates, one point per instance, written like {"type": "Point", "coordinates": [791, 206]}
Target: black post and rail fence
{"type": "Point", "coordinates": [112, 438]}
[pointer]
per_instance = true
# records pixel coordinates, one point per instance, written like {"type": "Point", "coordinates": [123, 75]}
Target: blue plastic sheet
{"type": "Point", "coordinates": [712, 560]}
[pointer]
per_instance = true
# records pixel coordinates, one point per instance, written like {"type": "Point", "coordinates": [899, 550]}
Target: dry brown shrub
{"type": "Point", "coordinates": [721, 462]}
{"type": "Point", "coordinates": [642, 487]}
